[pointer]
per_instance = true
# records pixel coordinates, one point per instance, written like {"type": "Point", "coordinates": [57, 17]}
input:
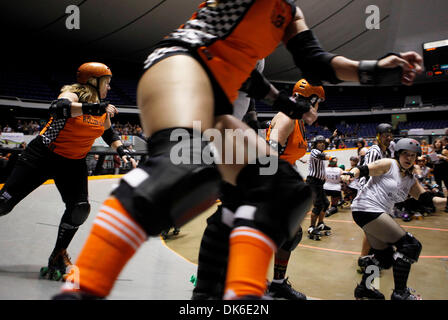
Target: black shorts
{"type": "Point", "coordinates": [320, 201]}
{"type": "Point", "coordinates": [364, 217]}
{"type": "Point", "coordinates": [222, 103]}
{"type": "Point", "coordinates": [333, 193]}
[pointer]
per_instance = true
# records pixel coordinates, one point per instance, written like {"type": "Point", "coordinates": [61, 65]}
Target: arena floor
{"type": "Point", "coordinates": [161, 270]}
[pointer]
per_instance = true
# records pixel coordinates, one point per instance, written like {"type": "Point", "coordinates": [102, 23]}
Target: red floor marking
{"type": "Point", "coordinates": [358, 253]}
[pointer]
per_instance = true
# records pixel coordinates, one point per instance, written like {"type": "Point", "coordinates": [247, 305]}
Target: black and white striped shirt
{"type": "Point", "coordinates": [375, 153]}
{"type": "Point", "coordinates": [316, 164]}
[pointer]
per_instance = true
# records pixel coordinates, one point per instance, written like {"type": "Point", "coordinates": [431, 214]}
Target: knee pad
{"type": "Point", "coordinates": [408, 248]}
{"type": "Point", "coordinates": [76, 214]}
{"type": "Point", "coordinates": [384, 257]}
{"type": "Point", "coordinates": [173, 186]}
{"type": "Point", "coordinates": [291, 244]}
{"type": "Point", "coordinates": [275, 204]}
{"type": "Point", "coordinates": [6, 205]}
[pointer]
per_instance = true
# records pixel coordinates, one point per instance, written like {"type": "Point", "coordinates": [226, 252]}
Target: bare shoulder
{"type": "Point", "coordinates": [73, 97]}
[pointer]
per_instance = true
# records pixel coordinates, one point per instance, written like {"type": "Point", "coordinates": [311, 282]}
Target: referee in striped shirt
{"type": "Point", "coordinates": [376, 152]}
{"type": "Point", "coordinates": [316, 180]}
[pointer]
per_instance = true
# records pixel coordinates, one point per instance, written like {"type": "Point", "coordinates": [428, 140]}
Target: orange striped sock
{"type": "Point", "coordinates": [249, 255]}
{"type": "Point", "coordinates": [113, 240]}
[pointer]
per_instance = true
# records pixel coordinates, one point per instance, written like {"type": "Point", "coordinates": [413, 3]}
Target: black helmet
{"type": "Point", "coordinates": [383, 128]}
{"type": "Point", "coordinates": [354, 158]}
{"type": "Point", "coordinates": [318, 139]}
{"type": "Point", "coordinates": [408, 144]}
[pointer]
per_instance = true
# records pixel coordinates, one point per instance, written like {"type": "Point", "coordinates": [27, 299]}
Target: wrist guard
{"type": "Point", "coordinates": [256, 86]}
{"type": "Point", "coordinates": [363, 171]}
{"type": "Point", "coordinates": [123, 152]}
{"type": "Point", "coordinates": [293, 109]}
{"type": "Point", "coordinates": [277, 147]}
{"type": "Point", "coordinates": [94, 109]}
{"type": "Point", "coordinates": [61, 108]}
{"type": "Point", "coordinates": [425, 199]}
{"type": "Point", "coordinates": [370, 73]}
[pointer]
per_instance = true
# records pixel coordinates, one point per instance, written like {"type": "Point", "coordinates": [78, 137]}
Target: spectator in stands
{"type": "Point", "coordinates": [7, 128]}
{"type": "Point", "coordinates": [91, 164]}
{"type": "Point", "coordinates": [362, 149]}
{"type": "Point", "coordinates": [440, 165]}
{"type": "Point", "coordinates": [425, 146]}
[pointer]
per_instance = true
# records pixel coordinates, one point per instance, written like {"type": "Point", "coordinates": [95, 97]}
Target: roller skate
{"type": "Point", "coordinates": [164, 234]}
{"type": "Point", "coordinates": [324, 229]}
{"type": "Point", "coordinates": [176, 231]}
{"type": "Point", "coordinates": [314, 233]}
{"type": "Point", "coordinates": [405, 295]}
{"type": "Point", "coordinates": [284, 290]}
{"type": "Point", "coordinates": [57, 268]}
{"type": "Point", "coordinates": [364, 293]}
{"type": "Point", "coordinates": [331, 211]}
{"type": "Point", "coordinates": [346, 205]}
{"type": "Point", "coordinates": [363, 262]}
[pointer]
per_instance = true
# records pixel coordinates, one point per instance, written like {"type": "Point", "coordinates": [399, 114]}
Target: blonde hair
{"type": "Point", "coordinates": [86, 93]}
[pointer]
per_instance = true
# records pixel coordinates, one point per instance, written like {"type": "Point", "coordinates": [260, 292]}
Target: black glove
{"type": "Point", "coordinates": [123, 152]}
{"type": "Point", "coordinates": [95, 109]}
{"type": "Point", "coordinates": [293, 109]}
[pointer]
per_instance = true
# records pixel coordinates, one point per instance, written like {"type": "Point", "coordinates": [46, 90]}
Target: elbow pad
{"type": "Point", "coordinates": [363, 171]}
{"type": "Point", "coordinates": [311, 59]}
{"type": "Point", "coordinates": [61, 108]}
{"type": "Point", "coordinates": [109, 136]}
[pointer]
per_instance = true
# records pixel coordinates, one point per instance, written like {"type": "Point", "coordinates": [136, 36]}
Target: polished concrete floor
{"type": "Point", "coordinates": [28, 234]}
{"type": "Point", "coordinates": [161, 270]}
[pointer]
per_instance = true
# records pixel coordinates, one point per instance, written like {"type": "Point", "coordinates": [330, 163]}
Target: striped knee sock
{"type": "Point", "coordinates": [249, 256]}
{"type": "Point", "coordinates": [113, 240]}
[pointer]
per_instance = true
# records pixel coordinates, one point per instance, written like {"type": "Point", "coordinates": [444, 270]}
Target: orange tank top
{"type": "Point", "coordinates": [231, 36]}
{"type": "Point", "coordinates": [73, 137]}
{"type": "Point", "coordinates": [296, 145]}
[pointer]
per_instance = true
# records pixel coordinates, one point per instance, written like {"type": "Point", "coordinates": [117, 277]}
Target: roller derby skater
{"type": "Point", "coordinates": [332, 186]}
{"type": "Point", "coordinates": [377, 151]}
{"type": "Point", "coordinates": [77, 118]}
{"type": "Point", "coordinates": [213, 252]}
{"type": "Point", "coordinates": [391, 180]}
{"type": "Point", "coordinates": [209, 54]}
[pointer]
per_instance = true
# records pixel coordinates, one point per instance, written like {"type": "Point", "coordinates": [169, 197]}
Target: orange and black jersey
{"type": "Point", "coordinates": [230, 36]}
{"type": "Point", "coordinates": [73, 137]}
{"type": "Point", "coordinates": [296, 145]}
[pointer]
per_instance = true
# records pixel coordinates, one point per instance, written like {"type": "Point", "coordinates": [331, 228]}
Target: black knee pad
{"type": "Point", "coordinates": [408, 248]}
{"type": "Point", "coordinates": [6, 205]}
{"type": "Point", "coordinates": [291, 244]}
{"type": "Point", "coordinates": [76, 214]}
{"type": "Point", "coordinates": [275, 204]}
{"type": "Point", "coordinates": [384, 257]}
{"type": "Point", "coordinates": [161, 192]}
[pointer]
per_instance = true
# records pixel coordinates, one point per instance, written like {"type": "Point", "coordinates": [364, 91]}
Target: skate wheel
{"type": "Point", "coordinates": [56, 276]}
{"type": "Point", "coordinates": [43, 272]}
